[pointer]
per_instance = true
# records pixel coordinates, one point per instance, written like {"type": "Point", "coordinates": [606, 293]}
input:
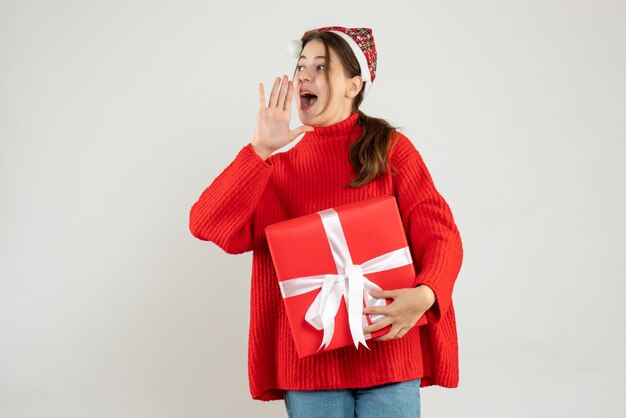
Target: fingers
{"type": "Point", "coordinates": [376, 310]}
{"type": "Point", "coordinates": [289, 96]}
{"type": "Point", "coordinates": [377, 325]}
{"type": "Point", "coordinates": [393, 333]}
{"type": "Point", "coordinates": [280, 98]}
{"type": "Point", "coordinates": [274, 94]}
{"type": "Point", "coordinates": [403, 331]}
{"type": "Point", "coordinates": [284, 89]}
{"type": "Point", "coordinates": [300, 130]}
{"type": "Point", "coordinates": [277, 97]}
{"type": "Point", "coordinates": [261, 96]}
{"type": "Point", "coordinates": [379, 294]}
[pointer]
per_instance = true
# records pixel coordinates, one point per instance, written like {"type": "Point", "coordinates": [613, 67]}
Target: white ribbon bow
{"type": "Point", "coordinates": [349, 284]}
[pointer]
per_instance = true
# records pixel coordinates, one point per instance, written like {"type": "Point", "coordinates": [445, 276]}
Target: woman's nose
{"type": "Point", "coordinates": [304, 75]}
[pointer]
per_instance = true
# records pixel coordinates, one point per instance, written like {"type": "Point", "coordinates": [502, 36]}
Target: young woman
{"type": "Point", "coordinates": [343, 157]}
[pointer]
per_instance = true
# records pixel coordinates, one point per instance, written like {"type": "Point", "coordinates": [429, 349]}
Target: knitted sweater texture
{"type": "Point", "coordinates": [251, 193]}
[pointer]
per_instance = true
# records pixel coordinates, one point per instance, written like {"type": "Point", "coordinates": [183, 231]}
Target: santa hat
{"type": "Point", "coordinates": [361, 40]}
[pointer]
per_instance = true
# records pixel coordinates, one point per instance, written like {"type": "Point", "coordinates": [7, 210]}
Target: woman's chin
{"type": "Point", "coordinates": [306, 117]}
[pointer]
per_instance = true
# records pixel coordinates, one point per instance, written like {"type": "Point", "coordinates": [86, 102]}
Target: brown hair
{"type": "Point", "coordinates": [368, 154]}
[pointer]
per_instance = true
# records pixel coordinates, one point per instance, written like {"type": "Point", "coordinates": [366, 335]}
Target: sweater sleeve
{"type": "Point", "coordinates": [224, 212]}
{"type": "Point", "coordinates": [434, 238]}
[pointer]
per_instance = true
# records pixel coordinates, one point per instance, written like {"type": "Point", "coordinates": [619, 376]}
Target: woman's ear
{"type": "Point", "coordinates": [356, 83]}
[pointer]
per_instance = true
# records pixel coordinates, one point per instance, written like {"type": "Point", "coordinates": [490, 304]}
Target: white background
{"type": "Point", "coordinates": [114, 117]}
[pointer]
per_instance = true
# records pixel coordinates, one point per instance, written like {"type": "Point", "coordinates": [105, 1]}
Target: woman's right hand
{"type": "Point", "coordinates": [272, 124]}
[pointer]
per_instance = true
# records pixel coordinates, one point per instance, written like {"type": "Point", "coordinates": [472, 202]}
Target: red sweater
{"type": "Point", "coordinates": [251, 193]}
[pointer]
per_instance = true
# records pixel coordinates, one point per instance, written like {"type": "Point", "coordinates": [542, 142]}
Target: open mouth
{"type": "Point", "coordinates": [307, 100]}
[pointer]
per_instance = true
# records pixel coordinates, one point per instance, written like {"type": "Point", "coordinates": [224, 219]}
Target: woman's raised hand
{"type": "Point", "coordinates": [272, 124]}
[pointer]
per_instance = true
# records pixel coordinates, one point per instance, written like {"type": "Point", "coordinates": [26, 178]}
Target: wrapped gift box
{"type": "Point", "coordinates": [328, 261]}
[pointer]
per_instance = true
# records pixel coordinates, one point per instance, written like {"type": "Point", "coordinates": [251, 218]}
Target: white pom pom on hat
{"type": "Point", "coordinates": [293, 48]}
{"type": "Point", "coordinates": [361, 41]}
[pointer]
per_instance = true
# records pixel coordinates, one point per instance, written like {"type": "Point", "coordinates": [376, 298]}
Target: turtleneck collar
{"type": "Point", "coordinates": [342, 129]}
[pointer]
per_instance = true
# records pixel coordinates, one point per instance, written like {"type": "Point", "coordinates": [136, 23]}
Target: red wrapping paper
{"type": "Point", "coordinates": [340, 245]}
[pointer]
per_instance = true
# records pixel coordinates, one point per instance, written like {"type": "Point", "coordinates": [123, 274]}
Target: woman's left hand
{"type": "Point", "coordinates": [403, 313]}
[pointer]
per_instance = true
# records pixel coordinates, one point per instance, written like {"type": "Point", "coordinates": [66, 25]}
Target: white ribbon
{"type": "Point", "coordinates": [349, 283]}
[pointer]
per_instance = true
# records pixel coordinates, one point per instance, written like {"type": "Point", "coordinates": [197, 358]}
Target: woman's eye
{"type": "Point", "coordinates": [298, 67]}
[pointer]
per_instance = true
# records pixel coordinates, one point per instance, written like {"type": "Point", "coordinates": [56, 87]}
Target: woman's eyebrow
{"type": "Point", "coordinates": [319, 56]}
